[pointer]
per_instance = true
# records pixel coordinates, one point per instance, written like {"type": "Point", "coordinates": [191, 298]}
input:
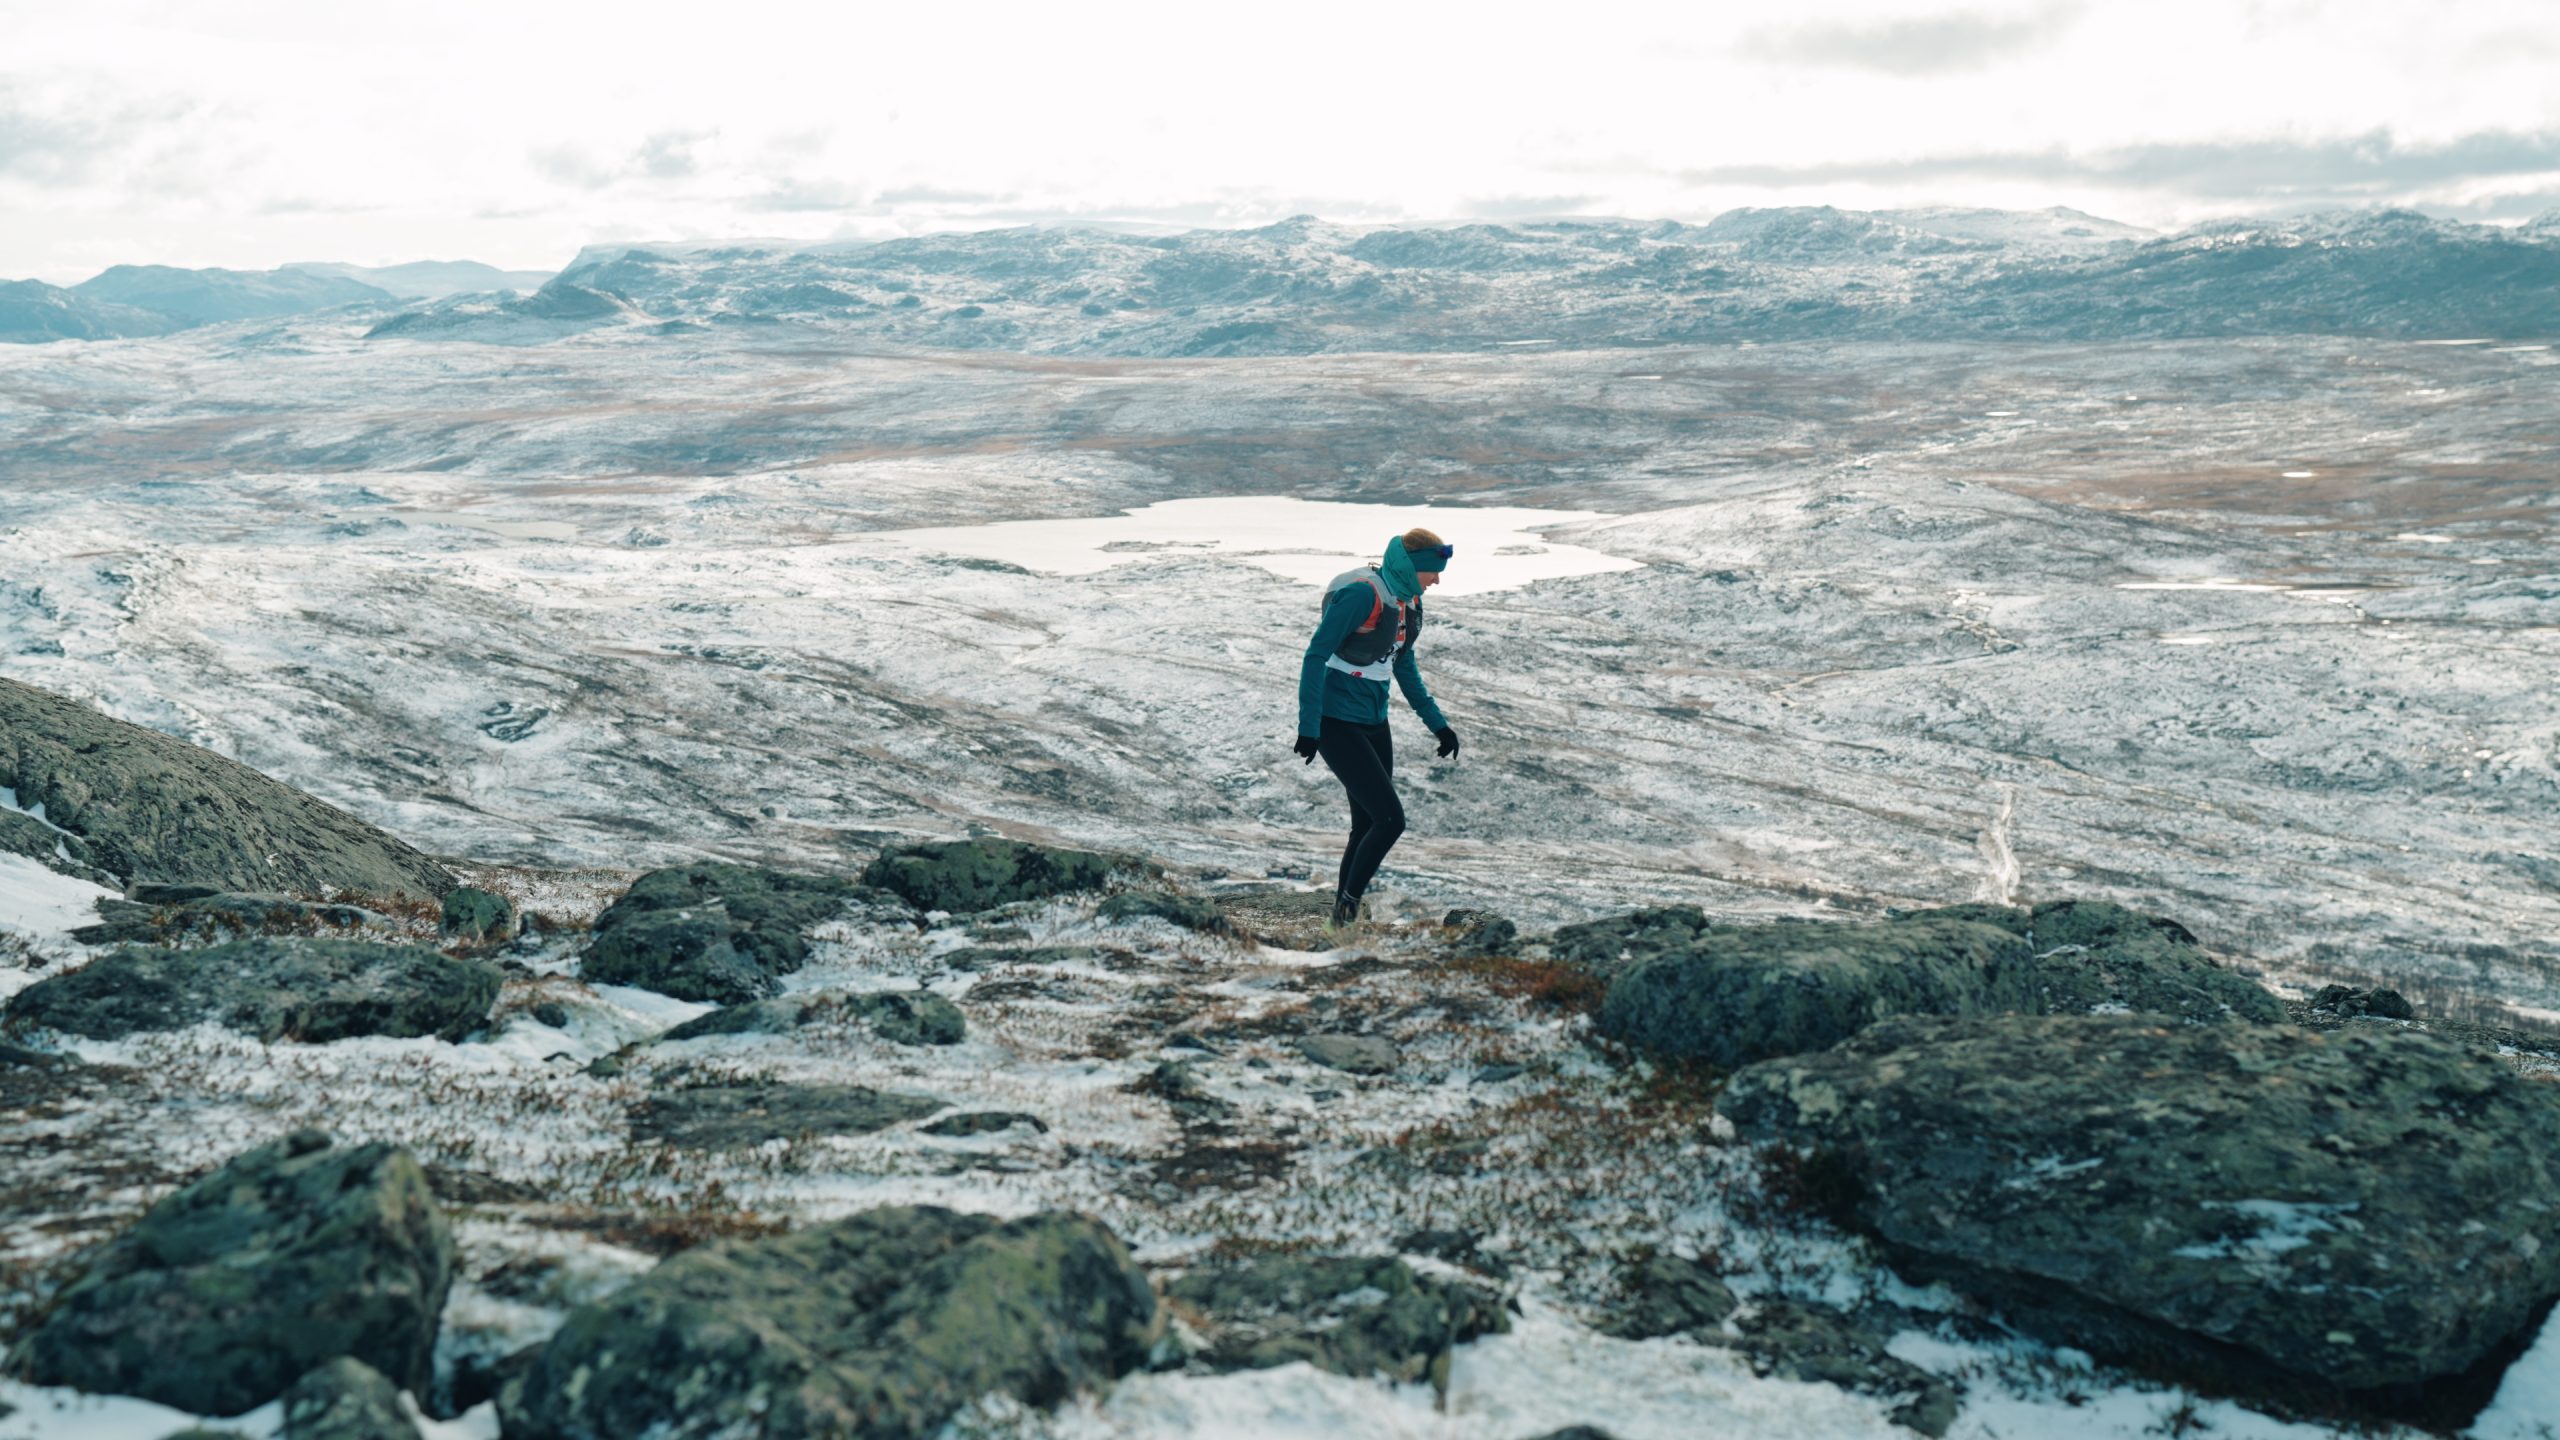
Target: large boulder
{"type": "Point", "coordinates": [2092, 955]}
{"type": "Point", "coordinates": [150, 807]}
{"type": "Point", "coordinates": [1354, 1315]}
{"type": "Point", "coordinates": [881, 1326]}
{"type": "Point", "coordinates": [713, 932]}
{"type": "Point", "coordinates": [230, 1290]}
{"type": "Point", "coordinates": [276, 988]}
{"type": "Point", "coordinates": [1731, 995]}
{"type": "Point", "coordinates": [962, 876]}
{"type": "Point", "coordinates": [1735, 994]}
{"type": "Point", "coordinates": [901, 1017]}
{"type": "Point", "coordinates": [2357, 1210]}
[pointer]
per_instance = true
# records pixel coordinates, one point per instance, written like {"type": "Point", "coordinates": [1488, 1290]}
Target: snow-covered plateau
{"type": "Point", "coordinates": [2256, 634]}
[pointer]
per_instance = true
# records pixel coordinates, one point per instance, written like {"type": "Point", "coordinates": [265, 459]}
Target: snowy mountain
{"type": "Point", "coordinates": [1304, 286]}
{"type": "Point", "coordinates": [209, 297]}
{"type": "Point", "coordinates": [32, 312]}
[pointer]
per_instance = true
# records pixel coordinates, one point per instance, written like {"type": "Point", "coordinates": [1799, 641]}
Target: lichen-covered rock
{"type": "Point", "coordinates": [2347, 1000]}
{"type": "Point", "coordinates": [1735, 994]}
{"type": "Point", "coordinates": [876, 1327]}
{"type": "Point", "coordinates": [1791, 1340]}
{"type": "Point", "coordinates": [2090, 955]}
{"type": "Point", "coordinates": [477, 915]}
{"type": "Point", "coordinates": [231, 1289]}
{"type": "Point", "coordinates": [1474, 933]}
{"type": "Point", "coordinates": [1191, 912]}
{"type": "Point", "coordinates": [716, 933]}
{"type": "Point", "coordinates": [1610, 945]}
{"type": "Point", "coordinates": [150, 807]}
{"type": "Point", "coordinates": [2367, 1208]}
{"type": "Point", "coordinates": [901, 1017]}
{"type": "Point", "coordinates": [345, 1399]}
{"type": "Point", "coordinates": [276, 988]}
{"type": "Point", "coordinates": [220, 915]}
{"type": "Point", "coordinates": [962, 876]}
{"type": "Point", "coordinates": [734, 1117]}
{"type": "Point", "coordinates": [1667, 1295]}
{"type": "Point", "coordinates": [1357, 1316]}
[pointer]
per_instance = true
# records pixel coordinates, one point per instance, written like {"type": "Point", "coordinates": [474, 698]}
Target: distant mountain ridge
{"type": "Point", "coordinates": [130, 301]}
{"type": "Point", "coordinates": [1803, 273]}
{"type": "Point", "coordinates": [1305, 285]}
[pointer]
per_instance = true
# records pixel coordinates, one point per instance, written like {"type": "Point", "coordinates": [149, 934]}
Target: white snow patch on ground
{"type": "Point", "coordinates": [2527, 1405]}
{"type": "Point", "coordinates": [1308, 541]}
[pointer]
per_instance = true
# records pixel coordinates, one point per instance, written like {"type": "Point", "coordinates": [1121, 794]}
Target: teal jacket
{"type": "Point", "coordinates": [1323, 691]}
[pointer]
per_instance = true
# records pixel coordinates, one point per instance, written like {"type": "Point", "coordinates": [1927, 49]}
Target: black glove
{"type": "Point", "coordinates": [1448, 742]}
{"type": "Point", "coordinates": [1307, 748]}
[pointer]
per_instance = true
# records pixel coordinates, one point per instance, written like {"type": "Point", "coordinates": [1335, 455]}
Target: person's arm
{"type": "Point", "coordinates": [1416, 694]}
{"type": "Point", "coordinates": [1350, 606]}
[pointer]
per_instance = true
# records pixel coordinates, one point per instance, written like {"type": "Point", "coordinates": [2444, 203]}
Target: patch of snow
{"type": "Point", "coordinates": [43, 905]}
{"type": "Point", "coordinates": [43, 1412]}
{"type": "Point", "coordinates": [2527, 1405]}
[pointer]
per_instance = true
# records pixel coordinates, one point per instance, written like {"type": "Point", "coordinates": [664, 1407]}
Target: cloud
{"type": "Point", "coordinates": [668, 155]}
{"type": "Point", "coordinates": [2372, 165]}
{"type": "Point", "coordinates": [661, 155]}
{"type": "Point", "coordinates": [1523, 207]}
{"type": "Point", "coordinates": [1922, 45]}
{"type": "Point", "coordinates": [69, 145]}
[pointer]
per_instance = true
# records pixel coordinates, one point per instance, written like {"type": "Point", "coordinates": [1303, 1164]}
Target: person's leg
{"type": "Point", "coordinates": [1362, 757]}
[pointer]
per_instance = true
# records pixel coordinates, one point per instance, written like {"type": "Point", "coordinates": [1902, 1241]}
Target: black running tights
{"type": "Point", "coordinates": [1363, 758]}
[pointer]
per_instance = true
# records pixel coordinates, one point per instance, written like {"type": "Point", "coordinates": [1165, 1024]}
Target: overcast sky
{"type": "Point", "coordinates": [250, 133]}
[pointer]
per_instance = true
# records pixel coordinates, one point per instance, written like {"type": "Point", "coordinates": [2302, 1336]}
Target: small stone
{"type": "Point", "coordinates": [1351, 1054]}
{"type": "Point", "coordinates": [736, 1117]}
{"type": "Point", "coordinates": [477, 915]}
{"type": "Point", "coordinates": [1496, 1074]}
{"type": "Point", "coordinates": [345, 1399]}
{"type": "Point", "coordinates": [551, 1013]}
{"type": "Point", "coordinates": [984, 1122]}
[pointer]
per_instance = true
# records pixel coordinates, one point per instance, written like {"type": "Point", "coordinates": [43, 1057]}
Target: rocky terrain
{"type": "Point", "coordinates": [993, 1138]}
{"type": "Point", "coordinates": [710, 848]}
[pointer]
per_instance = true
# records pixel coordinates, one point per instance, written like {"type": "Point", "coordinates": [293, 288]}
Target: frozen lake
{"type": "Point", "coordinates": [1310, 541]}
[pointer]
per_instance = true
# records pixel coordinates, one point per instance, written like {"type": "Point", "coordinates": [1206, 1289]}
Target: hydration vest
{"type": "Point", "coordinates": [1374, 644]}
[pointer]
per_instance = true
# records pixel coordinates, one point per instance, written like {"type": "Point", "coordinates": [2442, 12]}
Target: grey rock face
{"type": "Point", "coordinates": [276, 988]}
{"type": "Point", "coordinates": [345, 1399]}
{"type": "Point", "coordinates": [150, 807]}
{"type": "Point", "coordinates": [228, 1291]}
{"type": "Point", "coordinates": [719, 933]}
{"type": "Point", "coordinates": [1356, 1316]}
{"type": "Point", "coordinates": [879, 1326]}
{"type": "Point", "coordinates": [61, 853]}
{"type": "Point", "coordinates": [1351, 1054]}
{"type": "Point", "coordinates": [984, 1122]}
{"type": "Point", "coordinates": [2367, 1208]}
{"type": "Point", "coordinates": [901, 1017]}
{"type": "Point", "coordinates": [733, 1117]}
{"type": "Point", "coordinates": [1731, 995]}
{"type": "Point", "coordinates": [963, 876]}
{"type": "Point", "coordinates": [471, 914]}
